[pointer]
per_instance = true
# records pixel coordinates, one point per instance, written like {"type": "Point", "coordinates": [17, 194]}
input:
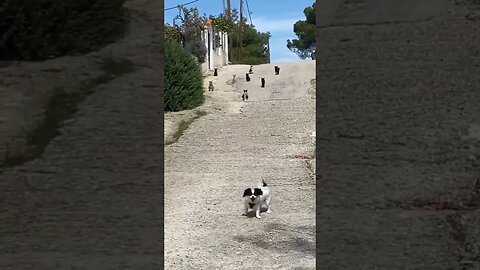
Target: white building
{"type": "Point", "coordinates": [216, 43]}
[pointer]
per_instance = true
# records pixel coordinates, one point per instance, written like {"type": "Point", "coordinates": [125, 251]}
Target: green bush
{"type": "Point", "coordinates": [41, 29]}
{"type": "Point", "coordinates": [183, 79]}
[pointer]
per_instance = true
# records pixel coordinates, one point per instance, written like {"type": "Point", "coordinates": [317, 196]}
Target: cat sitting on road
{"type": "Point", "coordinates": [245, 95]}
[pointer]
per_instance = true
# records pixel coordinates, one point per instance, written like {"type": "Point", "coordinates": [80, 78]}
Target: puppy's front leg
{"type": "Point", "coordinates": [268, 201]}
{"type": "Point", "coordinates": [257, 210]}
{"type": "Point", "coordinates": [246, 206]}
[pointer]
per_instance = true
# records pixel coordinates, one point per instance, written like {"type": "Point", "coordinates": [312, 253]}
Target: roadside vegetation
{"type": "Point", "coordinates": [304, 46]}
{"type": "Point", "coordinates": [183, 79]}
{"type": "Point", "coordinates": [187, 32]}
{"type": "Point", "coordinates": [184, 53]}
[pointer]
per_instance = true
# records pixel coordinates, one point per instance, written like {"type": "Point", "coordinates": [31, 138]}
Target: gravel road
{"type": "Point", "coordinates": [226, 151]}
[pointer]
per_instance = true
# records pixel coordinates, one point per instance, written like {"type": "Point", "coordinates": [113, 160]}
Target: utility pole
{"type": "Point", "coordinates": [240, 33]}
{"type": "Point", "coordinates": [268, 50]}
{"type": "Point", "coordinates": [228, 8]}
{"type": "Point", "coordinates": [228, 12]}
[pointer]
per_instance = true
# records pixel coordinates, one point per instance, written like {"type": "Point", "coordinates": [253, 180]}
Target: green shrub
{"type": "Point", "coordinates": [183, 79]}
{"type": "Point", "coordinates": [42, 29]}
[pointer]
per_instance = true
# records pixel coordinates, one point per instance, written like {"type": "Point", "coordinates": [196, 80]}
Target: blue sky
{"type": "Point", "coordinates": [274, 16]}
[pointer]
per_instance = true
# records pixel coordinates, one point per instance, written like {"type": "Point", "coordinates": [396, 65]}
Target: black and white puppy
{"type": "Point", "coordinates": [255, 198]}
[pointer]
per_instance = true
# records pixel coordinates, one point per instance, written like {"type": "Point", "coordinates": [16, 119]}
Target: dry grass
{"type": "Point", "coordinates": [184, 126]}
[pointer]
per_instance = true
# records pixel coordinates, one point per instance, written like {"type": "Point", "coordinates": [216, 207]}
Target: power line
{"type": "Point", "coordinates": [249, 13]}
{"type": "Point", "coordinates": [181, 5]}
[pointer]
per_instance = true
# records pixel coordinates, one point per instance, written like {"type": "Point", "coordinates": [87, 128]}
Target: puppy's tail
{"type": "Point", "coordinates": [264, 183]}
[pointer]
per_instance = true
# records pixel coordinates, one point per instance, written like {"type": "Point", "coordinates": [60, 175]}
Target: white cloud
{"type": "Point", "coordinates": [264, 24]}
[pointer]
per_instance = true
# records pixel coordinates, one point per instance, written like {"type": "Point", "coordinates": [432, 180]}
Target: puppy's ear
{"type": "Point", "coordinates": [258, 192]}
{"type": "Point", "coordinates": [247, 192]}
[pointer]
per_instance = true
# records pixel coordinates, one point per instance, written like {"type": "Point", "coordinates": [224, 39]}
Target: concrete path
{"type": "Point", "coordinates": [398, 156]}
{"type": "Point", "coordinates": [225, 152]}
{"type": "Point", "coordinates": [91, 200]}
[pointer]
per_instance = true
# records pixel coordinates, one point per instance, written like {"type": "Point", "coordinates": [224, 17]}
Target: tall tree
{"type": "Point", "coordinates": [255, 46]}
{"type": "Point", "coordinates": [305, 45]}
{"type": "Point", "coordinates": [188, 33]}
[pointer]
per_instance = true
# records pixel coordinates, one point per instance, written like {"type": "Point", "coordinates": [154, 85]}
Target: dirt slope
{"type": "Point", "coordinates": [228, 150]}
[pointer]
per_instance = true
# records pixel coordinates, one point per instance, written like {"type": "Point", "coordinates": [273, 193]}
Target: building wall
{"type": "Point", "coordinates": [217, 48]}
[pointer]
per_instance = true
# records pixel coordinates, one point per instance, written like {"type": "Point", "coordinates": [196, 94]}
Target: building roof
{"type": "Point", "coordinates": [209, 22]}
